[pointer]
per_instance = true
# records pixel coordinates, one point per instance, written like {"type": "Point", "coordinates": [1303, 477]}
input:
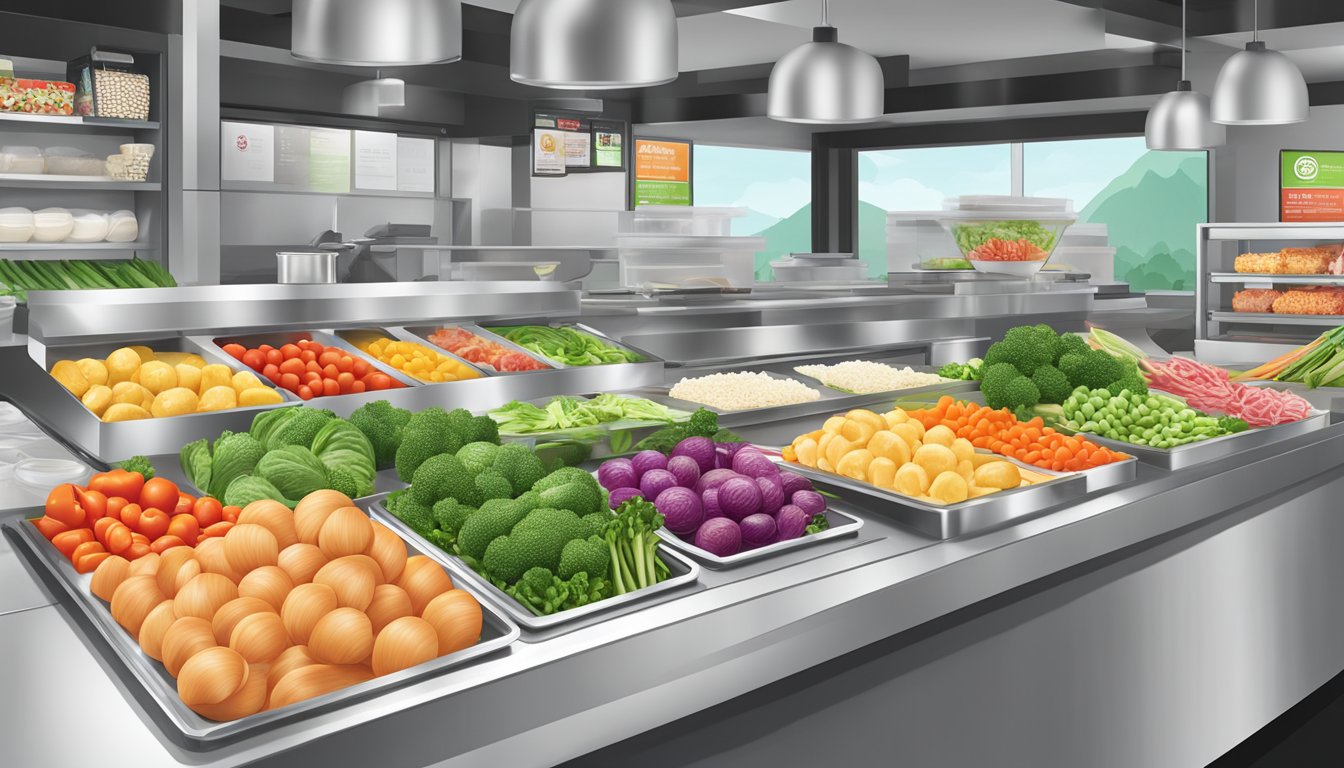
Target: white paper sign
{"type": "Point", "coordinates": [415, 165]}
{"type": "Point", "coordinates": [247, 152]}
{"type": "Point", "coordinates": [375, 160]}
{"type": "Point", "coordinates": [578, 149]}
{"type": "Point", "coordinates": [548, 152]}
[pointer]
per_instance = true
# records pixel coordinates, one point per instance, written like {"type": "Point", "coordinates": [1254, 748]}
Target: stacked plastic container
{"type": "Point", "coordinates": [1087, 248]}
{"type": "Point", "coordinates": [685, 248]}
{"type": "Point", "coordinates": [31, 464]}
{"type": "Point", "coordinates": [917, 240]}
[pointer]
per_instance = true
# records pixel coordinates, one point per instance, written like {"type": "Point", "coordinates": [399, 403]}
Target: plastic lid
{"type": "Point", "coordinates": [681, 242]}
{"type": "Point", "coordinates": [1030, 206]}
{"type": "Point", "coordinates": [687, 212]}
{"type": "Point", "coordinates": [46, 473]}
{"type": "Point", "coordinates": [12, 420]}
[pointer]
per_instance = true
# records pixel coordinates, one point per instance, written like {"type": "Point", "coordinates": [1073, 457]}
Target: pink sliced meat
{"type": "Point", "coordinates": [1208, 388]}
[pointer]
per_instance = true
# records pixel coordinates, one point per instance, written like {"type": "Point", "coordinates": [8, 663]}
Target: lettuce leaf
{"type": "Point", "coordinates": [340, 445]}
{"type": "Point", "coordinates": [293, 470]}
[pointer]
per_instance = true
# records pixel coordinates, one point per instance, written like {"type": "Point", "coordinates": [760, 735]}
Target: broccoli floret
{"type": "Point", "coordinates": [418, 446]}
{"type": "Point", "coordinates": [520, 466]}
{"type": "Point", "coordinates": [1132, 379]}
{"type": "Point", "coordinates": [1070, 343]}
{"type": "Point", "coordinates": [536, 541]}
{"type": "Point", "coordinates": [997, 374]}
{"type": "Point", "coordinates": [383, 424]}
{"type": "Point", "coordinates": [563, 476]}
{"type": "Point", "coordinates": [451, 514]}
{"type": "Point", "coordinates": [443, 477]}
{"type": "Point", "coordinates": [578, 497]}
{"type": "Point", "coordinates": [410, 511]}
{"type": "Point", "coordinates": [340, 480]}
{"type": "Point", "coordinates": [545, 593]}
{"type": "Point", "coordinates": [589, 556]}
{"type": "Point", "coordinates": [1094, 369]}
{"type": "Point", "coordinates": [595, 521]}
{"type": "Point", "coordinates": [703, 423]}
{"type": "Point", "coordinates": [1052, 384]}
{"type": "Point", "coordinates": [478, 457]}
{"type": "Point", "coordinates": [492, 485]}
{"type": "Point", "coordinates": [955, 372]}
{"type": "Point", "coordinates": [1027, 347]}
{"type": "Point", "coordinates": [138, 464]}
{"type": "Point", "coordinates": [300, 429]}
{"type": "Point", "coordinates": [488, 524]}
{"type": "Point", "coordinates": [481, 429]}
{"type": "Point", "coordinates": [1013, 393]}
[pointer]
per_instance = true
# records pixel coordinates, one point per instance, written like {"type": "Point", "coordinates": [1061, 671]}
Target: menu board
{"type": "Point", "coordinates": [247, 152]}
{"type": "Point", "coordinates": [415, 164]}
{"type": "Point", "coordinates": [570, 143]}
{"type": "Point", "coordinates": [548, 152]}
{"type": "Point", "coordinates": [608, 145]}
{"type": "Point", "coordinates": [662, 172]}
{"type": "Point", "coordinates": [376, 160]}
{"type": "Point", "coordinates": [300, 158]}
{"type": "Point", "coordinates": [1311, 185]}
{"type": "Point", "coordinates": [329, 160]}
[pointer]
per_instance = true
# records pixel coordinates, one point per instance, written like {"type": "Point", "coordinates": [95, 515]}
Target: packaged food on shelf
{"type": "Point", "coordinates": [122, 227]}
{"type": "Point", "coordinates": [22, 159]}
{"type": "Point", "coordinates": [867, 377]}
{"type": "Point", "coordinates": [38, 97]}
{"type": "Point", "coordinates": [415, 360]}
{"type": "Point", "coordinates": [310, 369]}
{"type": "Point", "coordinates": [108, 86]}
{"type": "Point", "coordinates": [133, 162]}
{"type": "Point", "coordinates": [483, 352]}
{"type": "Point", "coordinates": [743, 391]}
{"type": "Point", "coordinates": [16, 225]}
{"type": "Point", "coordinates": [70, 161]}
{"type": "Point", "coordinates": [90, 227]}
{"type": "Point", "coordinates": [52, 225]}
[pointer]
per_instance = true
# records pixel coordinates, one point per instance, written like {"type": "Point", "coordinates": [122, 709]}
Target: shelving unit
{"type": "Point", "coordinates": [1224, 335]}
{"type": "Point", "coordinates": [57, 182]}
{"type": "Point", "coordinates": [77, 123]}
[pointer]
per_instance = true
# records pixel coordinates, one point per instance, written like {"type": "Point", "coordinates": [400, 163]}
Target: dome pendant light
{"type": "Point", "coordinates": [1258, 86]}
{"type": "Point", "coordinates": [1180, 119]}
{"type": "Point", "coordinates": [387, 33]}
{"type": "Point", "coordinates": [593, 44]}
{"type": "Point", "coordinates": [826, 81]}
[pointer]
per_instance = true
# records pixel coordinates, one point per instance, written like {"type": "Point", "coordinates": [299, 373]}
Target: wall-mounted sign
{"type": "Point", "coordinates": [608, 145]}
{"type": "Point", "coordinates": [247, 152]}
{"type": "Point", "coordinates": [662, 172]}
{"type": "Point", "coordinates": [1311, 185]}
{"type": "Point", "coordinates": [329, 160]}
{"type": "Point", "coordinates": [376, 160]}
{"type": "Point", "coordinates": [415, 164]}
{"type": "Point", "coordinates": [548, 152]}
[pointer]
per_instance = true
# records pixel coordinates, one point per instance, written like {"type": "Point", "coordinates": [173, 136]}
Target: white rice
{"type": "Point", "coordinates": [743, 391]}
{"type": "Point", "coordinates": [866, 377]}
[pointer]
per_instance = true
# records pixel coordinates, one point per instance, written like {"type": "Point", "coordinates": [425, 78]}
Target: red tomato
{"type": "Point", "coordinates": [292, 365]}
{"type": "Point", "coordinates": [218, 529]}
{"type": "Point", "coordinates": [330, 371]}
{"type": "Point", "coordinates": [118, 482]}
{"type": "Point", "coordinates": [160, 493]}
{"type": "Point", "coordinates": [236, 351]}
{"type": "Point", "coordinates": [153, 523]}
{"type": "Point", "coordinates": [311, 378]}
{"type": "Point", "coordinates": [346, 381]}
{"type": "Point", "coordinates": [88, 548]}
{"type": "Point", "coordinates": [139, 538]}
{"type": "Point", "coordinates": [305, 392]}
{"type": "Point", "coordinates": [379, 381]}
{"type": "Point", "coordinates": [67, 541]}
{"type": "Point", "coordinates": [90, 562]}
{"type": "Point", "coordinates": [62, 505]}
{"type": "Point", "coordinates": [330, 388]}
{"type": "Point", "coordinates": [328, 357]}
{"type": "Point", "coordinates": [50, 527]}
{"type": "Point", "coordinates": [357, 388]}
{"type": "Point", "coordinates": [114, 507]}
{"type": "Point", "coordinates": [118, 538]}
{"type": "Point", "coordinates": [265, 349]}
{"type": "Point", "coordinates": [290, 381]}
{"type": "Point", "coordinates": [130, 515]}
{"type": "Point", "coordinates": [290, 351]}
{"type": "Point", "coordinates": [274, 357]}
{"type": "Point", "coordinates": [231, 513]}
{"type": "Point", "coordinates": [346, 363]}
{"type": "Point", "coordinates": [307, 355]}
{"type": "Point", "coordinates": [254, 359]}
{"type": "Point", "coordinates": [185, 503]}
{"type": "Point", "coordinates": [165, 543]}
{"type": "Point", "coordinates": [272, 374]}
{"type": "Point", "coordinates": [101, 528]}
{"type": "Point", "coordinates": [313, 367]}
{"type": "Point", "coordinates": [185, 528]}
{"type": "Point", "coordinates": [207, 511]}
{"type": "Point", "coordinates": [360, 369]}
{"type": "Point", "coordinates": [94, 504]}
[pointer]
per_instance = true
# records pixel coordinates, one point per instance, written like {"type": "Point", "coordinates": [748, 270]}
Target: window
{"type": "Point", "coordinates": [1150, 202]}
{"type": "Point", "coordinates": [918, 180]}
{"type": "Point", "coordinates": [774, 185]}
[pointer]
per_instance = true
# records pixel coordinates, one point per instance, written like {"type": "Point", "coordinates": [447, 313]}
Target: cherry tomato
{"type": "Point", "coordinates": [313, 380]}
{"type": "Point", "coordinates": [328, 357]}
{"type": "Point", "coordinates": [236, 351]}
{"type": "Point", "coordinates": [119, 482]}
{"type": "Point", "coordinates": [330, 371]}
{"type": "Point", "coordinates": [218, 529]}
{"type": "Point", "coordinates": [165, 543]}
{"type": "Point", "coordinates": [89, 547]}
{"type": "Point", "coordinates": [254, 359]}
{"type": "Point", "coordinates": [62, 505]}
{"type": "Point", "coordinates": [101, 528]}
{"type": "Point", "coordinates": [94, 504]}
{"type": "Point", "coordinates": [118, 538]}
{"type": "Point", "coordinates": [307, 355]}
{"type": "Point", "coordinates": [313, 367]}
{"type": "Point", "coordinates": [290, 351]}
{"type": "Point", "coordinates": [67, 541]}
{"type": "Point", "coordinates": [346, 381]}
{"type": "Point", "coordinates": [114, 507]}
{"type": "Point", "coordinates": [185, 528]}
{"type": "Point", "coordinates": [305, 392]}
{"type": "Point", "coordinates": [160, 493]}
{"type": "Point", "coordinates": [90, 562]}
{"type": "Point", "coordinates": [231, 513]}
{"type": "Point", "coordinates": [185, 503]}
{"type": "Point", "coordinates": [207, 511]}
{"type": "Point", "coordinates": [131, 514]}
{"type": "Point", "coordinates": [153, 523]}
{"type": "Point", "coordinates": [274, 357]}
{"type": "Point", "coordinates": [294, 366]}
{"type": "Point", "coordinates": [357, 388]}
{"type": "Point", "coordinates": [346, 363]}
{"type": "Point", "coordinates": [290, 381]}
{"type": "Point", "coordinates": [50, 527]}
{"type": "Point", "coordinates": [378, 381]}
{"type": "Point", "coordinates": [330, 388]}
{"type": "Point", "coordinates": [265, 349]}
{"type": "Point", "coordinates": [360, 369]}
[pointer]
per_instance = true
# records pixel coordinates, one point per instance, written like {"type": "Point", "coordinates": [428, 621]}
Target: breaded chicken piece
{"type": "Point", "coordinates": [1261, 263]}
{"type": "Point", "coordinates": [1310, 301]}
{"type": "Point", "coordinates": [1259, 300]}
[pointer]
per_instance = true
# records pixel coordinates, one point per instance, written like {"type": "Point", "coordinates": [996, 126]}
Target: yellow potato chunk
{"type": "Point", "coordinates": [966, 469]}
{"type": "Point", "coordinates": [94, 370]}
{"type": "Point", "coordinates": [215, 375]}
{"type": "Point", "coordinates": [936, 459]}
{"type": "Point", "coordinates": [864, 416]}
{"type": "Point", "coordinates": [854, 464]}
{"type": "Point", "coordinates": [255, 396]}
{"type": "Point", "coordinates": [962, 449]}
{"type": "Point", "coordinates": [949, 488]}
{"type": "Point", "coordinates": [909, 432]}
{"type": "Point", "coordinates": [788, 453]}
{"type": "Point", "coordinates": [897, 416]}
{"type": "Point", "coordinates": [97, 399]}
{"type": "Point", "coordinates": [889, 445]}
{"type": "Point", "coordinates": [939, 435]}
{"type": "Point", "coordinates": [124, 412]}
{"type": "Point", "coordinates": [144, 353]}
{"type": "Point", "coordinates": [807, 452]}
{"type": "Point", "coordinates": [976, 491]}
{"type": "Point", "coordinates": [836, 450]}
{"type": "Point", "coordinates": [219, 398]}
{"type": "Point", "coordinates": [188, 376]}
{"type": "Point", "coordinates": [177, 401]}
{"type": "Point", "coordinates": [882, 472]}
{"type": "Point", "coordinates": [181, 358]}
{"type": "Point", "coordinates": [824, 465]}
{"type": "Point", "coordinates": [245, 380]}
{"type": "Point", "coordinates": [1001, 475]}
{"type": "Point", "coordinates": [68, 375]}
{"type": "Point", "coordinates": [157, 376]}
{"type": "Point", "coordinates": [122, 364]}
{"type": "Point", "coordinates": [833, 425]}
{"type": "Point", "coordinates": [129, 392]}
{"type": "Point", "coordinates": [912, 480]}
{"type": "Point", "coordinates": [979, 458]}
{"type": "Point", "coordinates": [813, 436]}
{"type": "Point", "coordinates": [857, 432]}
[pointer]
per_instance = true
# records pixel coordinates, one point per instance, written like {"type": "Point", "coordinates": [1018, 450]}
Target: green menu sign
{"type": "Point", "coordinates": [662, 172]}
{"type": "Point", "coordinates": [1311, 185]}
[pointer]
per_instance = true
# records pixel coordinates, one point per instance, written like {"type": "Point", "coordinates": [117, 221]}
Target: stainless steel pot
{"type": "Point", "coordinates": [294, 268]}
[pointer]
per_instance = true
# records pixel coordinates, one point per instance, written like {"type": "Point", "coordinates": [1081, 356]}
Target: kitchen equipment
{"type": "Point", "coordinates": [305, 268]}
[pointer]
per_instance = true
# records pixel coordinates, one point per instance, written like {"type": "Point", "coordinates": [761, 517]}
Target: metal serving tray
{"type": "Point", "coordinates": [423, 332]}
{"type": "Point", "coordinates": [63, 412]}
{"type": "Point", "coordinates": [683, 572]}
{"type": "Point", "coordinates": [1213, 449]}
{"type": "Point", "coordinates": [324, 338]}
{"type": "Point", "coordinates": [342, 340]}
{"type": "Point", "coordinates": [581, 328]}
{"type": "Point", "coordinates": [497, 632]}
{"type": "Point", "coordinates": [953, 520]}
{"type": "Point", "coordinates": [843, 523]}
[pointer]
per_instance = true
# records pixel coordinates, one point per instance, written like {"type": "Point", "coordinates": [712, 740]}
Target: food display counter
{"type": "Point", "coordinates": [891, 630]}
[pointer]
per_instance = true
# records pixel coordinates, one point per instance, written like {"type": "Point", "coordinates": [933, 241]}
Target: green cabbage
{"type": "Point", "coordinates": [267, 423]}
{"type": "Point", "coordinates": [972, 236]}
{"type": "Point", "coordinates": [235, 454]}
{"type": "Point", "coordinates": [249, 488]}
{"type": "Point", "coordinates": [340, 445]}
{"type": "Point", "coordinates": [196, 463]}
{"type": "Point", "coordinates": [293, 470]}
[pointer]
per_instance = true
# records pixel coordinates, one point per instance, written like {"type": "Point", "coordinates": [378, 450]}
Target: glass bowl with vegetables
{"type": "Point", "coordinates": [1007, 235]}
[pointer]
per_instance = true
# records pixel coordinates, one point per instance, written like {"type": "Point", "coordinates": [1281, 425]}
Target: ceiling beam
{"type": "Point", "coordinates": [702, 7]}
{"type": "Point", "coordinates": [1156, 20]}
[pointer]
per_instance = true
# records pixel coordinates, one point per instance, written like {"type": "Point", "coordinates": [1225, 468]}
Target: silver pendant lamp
{"type": "Point", "coordinates": [826, 81]}
{"type": "Point", "coordinates": [385, 33]}
{"type": "Point", "coordinates": [593, 44]}
{"type": "Point", "coordinates": [1180, 119]}
{"type": "Point", "coordinates": [1258, 86]}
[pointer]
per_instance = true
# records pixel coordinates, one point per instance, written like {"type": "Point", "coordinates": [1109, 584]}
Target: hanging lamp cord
{"type": "Point", "coordinates": [826, 12]}
{"type": "Point", "coordinates": [1184, 5]}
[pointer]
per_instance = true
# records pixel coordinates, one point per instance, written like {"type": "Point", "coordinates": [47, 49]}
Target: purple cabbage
{"type": "Point", "coordinates": [724, 453]}
{"type": "Point", "coordinates": [655, 481]}
{"type": "Point", "coordinates": [772, 494]}
{"type": "Point", "coordinates": [811, 502]}
{"type": "Point", "coordinates": [617, 473]}
{"type": "Point", "coordinates": [719, 536]}
{"type": "Point", "coordinates": [792, 522]}
{"type": "Point", "coordinates": [685, 469]}
{"type": "Point", "coordinates": [753, 463]}
{"type": "Point", "coordinates": [709, 500]}
{"type": "Point", "coordinates": [739, 497]}
{"type": "Point", "coordinates": [757, 530]}
{"type": "Point", "coordinates": [645, 461]}
{"type": "Point", "coordinates": [714, 478]}
{"type": "Point", "coordinates": [622, 495]}
{"type": "Point", "coordinates": [699, 448]}
{"type": "Point", "coordinates": [793, 483]}
{"type": "Point", "coordinates": [681, 509]}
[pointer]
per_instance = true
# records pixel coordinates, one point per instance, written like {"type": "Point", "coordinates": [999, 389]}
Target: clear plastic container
{"type": "Point", "coordinates": [7, 304]}
{"type": "Point", "coordinates": [916, 237]}
{"type": "Point", "coordinates": [731, 259]}
{"type": "Point", "coordinates": [16, 225]}
{"type": "Point", "coordinates": [1086, 235]}
{"type": "Point", "coordinates": [21, 159]}
{"type": "Point", "coordinates": [1096, 260]}
{"type": "Point", "coordinates": [122, 227]}
{"type": "Point", "coordinates": [1007, 235]}
{"type": "Point", "coordinates": [808, 271]}
{"type": "Point", "coordinates": [69, 161]}
{"type": "Point", "coordinates": [52, 225]}
{"type": "Point", "coordinates": [90, 227]}
{"type": "Point", "coordinates": [680, 220]}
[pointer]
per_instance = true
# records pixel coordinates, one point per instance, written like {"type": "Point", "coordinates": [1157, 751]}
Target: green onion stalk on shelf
{"type": "Point", "coordinates": [19, 277]}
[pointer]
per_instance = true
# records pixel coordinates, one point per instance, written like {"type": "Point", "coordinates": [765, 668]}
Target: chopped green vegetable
{"type": "Point", "coordinates": [138, 464]}
{"type": "Point", "coordinates": [972, 236]}
{"type": "Point", "coordinates": [565, 412]}
{"type": "Point", "coordinates": [566, 345]}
